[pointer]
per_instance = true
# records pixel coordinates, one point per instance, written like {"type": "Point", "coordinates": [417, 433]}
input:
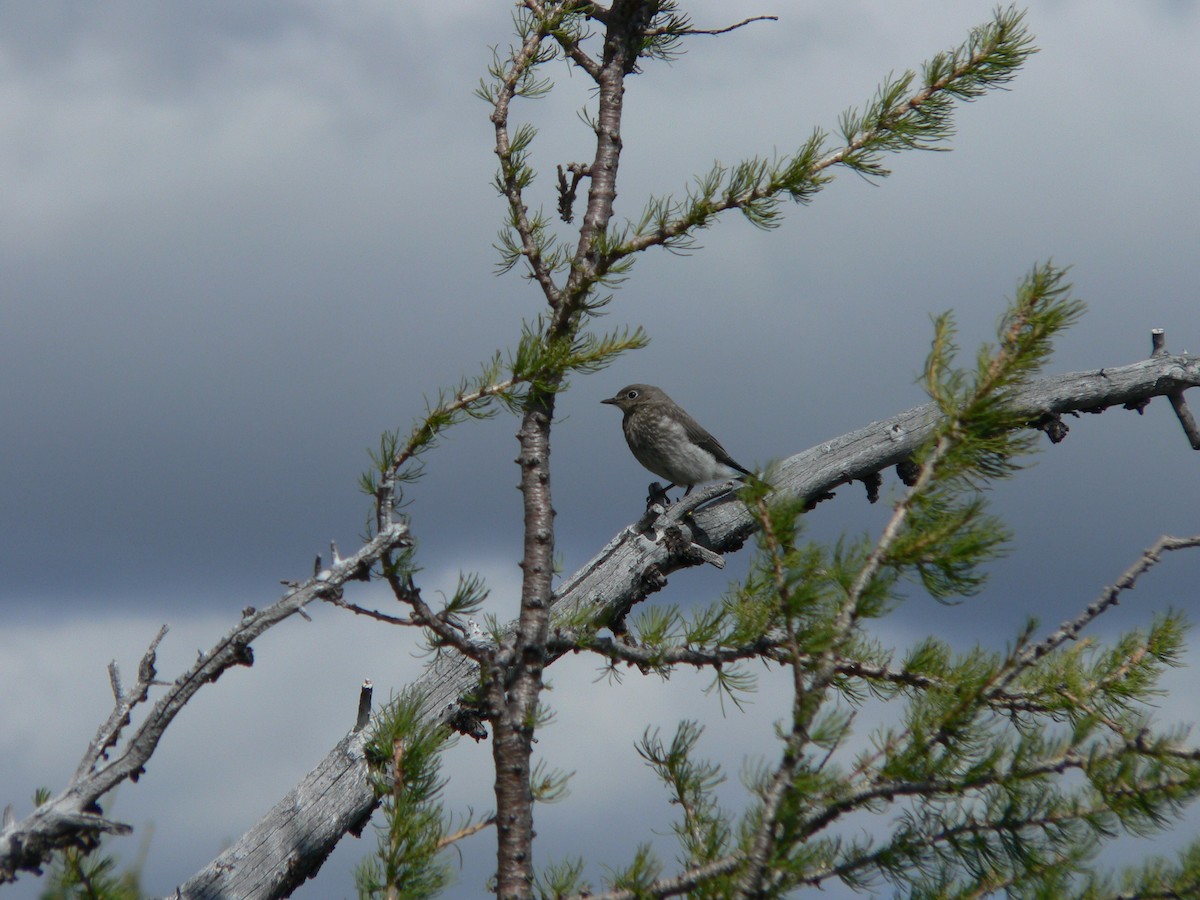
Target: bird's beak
{"type": "Point", "coordinates": [612, 400]}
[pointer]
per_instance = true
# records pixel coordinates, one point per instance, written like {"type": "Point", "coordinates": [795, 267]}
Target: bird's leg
{"type": "Point", "coordinates": [658, 494]}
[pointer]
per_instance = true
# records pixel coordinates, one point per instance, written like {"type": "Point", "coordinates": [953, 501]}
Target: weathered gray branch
{"type": "Point", "coordinates": [292, 841]}
{"type": "Point", "coordinates": [1158, 340]}
{"type": "Point", "coordinates": [74, 817]}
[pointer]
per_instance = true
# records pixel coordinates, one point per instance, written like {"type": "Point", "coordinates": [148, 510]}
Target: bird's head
{"type": "Point", "coordinates": [635, 395]}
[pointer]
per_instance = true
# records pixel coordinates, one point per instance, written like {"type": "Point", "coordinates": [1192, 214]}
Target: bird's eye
{"type": "Point", "coordinates": [631, 395]}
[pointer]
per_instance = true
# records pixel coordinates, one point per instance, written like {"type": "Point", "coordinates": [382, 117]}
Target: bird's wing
{"type": "Point", "coordinates": [697, 433]}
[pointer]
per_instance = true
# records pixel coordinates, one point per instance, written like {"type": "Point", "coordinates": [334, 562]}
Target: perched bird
{"type": "Point", "coordinates": [669, 442]}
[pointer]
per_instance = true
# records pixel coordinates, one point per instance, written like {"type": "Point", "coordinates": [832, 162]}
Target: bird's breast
{"type": "Point", "coordinates": [662, 445]}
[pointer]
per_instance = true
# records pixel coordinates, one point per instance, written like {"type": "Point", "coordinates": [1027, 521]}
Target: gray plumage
{"type": "Point", "coordinates": [669, 442]}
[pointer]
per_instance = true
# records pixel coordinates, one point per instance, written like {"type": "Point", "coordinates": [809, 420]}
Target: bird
{"type": "Point", "coordinates": [669, 442]}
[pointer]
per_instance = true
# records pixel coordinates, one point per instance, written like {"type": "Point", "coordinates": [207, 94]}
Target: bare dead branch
{"type": "Point", "coordinates": [1108, 598]}
{"type": "Point", "coordinates": [1185, 418]}
{"type": "Point", "coordinates": [566, 192]}
{"type": "Point", "coordinates": [375, 614]}
{"type": "Point", "coordinates": [1158, 343]}
{"type": "Point", "coordinates": [364, 705]}
{"type": "Point", "coordinates": [73, 818]}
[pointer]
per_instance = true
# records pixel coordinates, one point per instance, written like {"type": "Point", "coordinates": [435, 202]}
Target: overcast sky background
{"type": "Point", "coordinates": [238, 241]}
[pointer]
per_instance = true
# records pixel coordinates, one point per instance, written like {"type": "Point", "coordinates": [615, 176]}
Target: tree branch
{"type": "Point", "coordinates": [292, 840]}
{"type": "Point", "coordinates": [512, 695]}
{"type": "Point", "coordinates": [510, 182]}
{"type": "Point", "coordinates": [684, 32]}
{"type": "Point", "coordinates": [1158, 341]}
{"type": "Point", "coordinates": [627, 24]}
{"type": "Point", "coordinates": [892, 122]}
{"type": "Point", "coordinates": [73, 818]}
{"type": "Point", "coordinates": [570, 47]}
{"type": "Point", "coordinates": [1068, 631]}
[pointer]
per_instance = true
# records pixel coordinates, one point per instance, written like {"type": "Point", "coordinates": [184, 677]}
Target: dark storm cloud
{"type": "Point", "coordinates": [218, 267]}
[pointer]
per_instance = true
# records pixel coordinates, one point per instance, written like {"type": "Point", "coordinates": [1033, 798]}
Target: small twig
{"type": "Point", "coordinates": [446, 630]}
{"type": "Point", "coordinates": [654, 32]}
{"type": "Point", "coordinates": [872, 483]}
{"type": "Point", "coordinates": [364, 705]}
{"type": "Point", "coordinates": [114, 679]}
{"type": "Point", "coordinates": [1054, 427]}
{"type": "Point", "coordinates": [123, 705]}
{"type": "Point", "coordinates": [369, 613]}
{"type": "Point", "coordinates": [1185, 418]}
{"type": "Point", "coordinates": [466, 832]}
{"type": "Point", "coordinates": [1108, 598]}
{"type": "Point", "coordinates": [570, 46]}
{"type": "Point", "coordinates": [684, 224]}
{"type": "Point", "coordinates": [675, 886]}
{"type": "Point", "coordinates": [523, 60]}
{"type": "Point", "coordinates": [1158, 344]}
{"type": "Point", "coordinates": [460, 402]}
{"type": "Point", "coordinates": [566, 192]}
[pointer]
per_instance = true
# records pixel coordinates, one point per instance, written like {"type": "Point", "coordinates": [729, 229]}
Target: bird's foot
{"type": "Point", "coordinates": [658, 495]}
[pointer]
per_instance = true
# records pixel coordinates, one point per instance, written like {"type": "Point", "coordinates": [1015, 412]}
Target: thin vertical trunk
{"type": "Point", "coordinates": [516, 699]}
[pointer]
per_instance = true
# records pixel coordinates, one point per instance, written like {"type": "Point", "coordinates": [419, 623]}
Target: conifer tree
{"type": "Point", "coordinates": [980, 767]}
{"type": "Point", "coordinates": [999, 773]}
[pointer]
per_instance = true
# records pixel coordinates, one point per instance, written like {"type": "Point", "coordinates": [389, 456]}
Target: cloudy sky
{"type": "Point", "coordinates": [238, 241]}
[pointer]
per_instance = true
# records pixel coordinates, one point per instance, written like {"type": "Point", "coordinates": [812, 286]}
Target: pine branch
{"type": "Point", "coordinates": [896, 119]}
{"type": "Point", "coordinates": [675, 886]}
{"type": "Point", "coordinates": [466, 832]}
{"type": "Point", "coordinates": [570, 39]}
{"type": "Point", "coordinates": [512, 79]}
